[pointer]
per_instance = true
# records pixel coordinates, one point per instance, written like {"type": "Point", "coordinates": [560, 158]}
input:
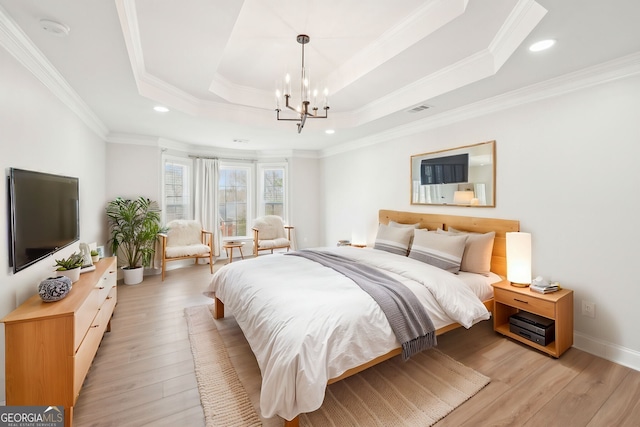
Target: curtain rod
{"type": "Point", "coordinates": [221, 158]}
{"type": "Point", "coordinates": [230, 159]}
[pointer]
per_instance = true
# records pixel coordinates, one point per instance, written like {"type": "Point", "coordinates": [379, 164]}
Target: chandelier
{"type": "Point", "coordinates": [308, 107]}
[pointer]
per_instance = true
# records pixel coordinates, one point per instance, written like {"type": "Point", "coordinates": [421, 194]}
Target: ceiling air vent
{"type": "Point", "coordinates": [419, 108]}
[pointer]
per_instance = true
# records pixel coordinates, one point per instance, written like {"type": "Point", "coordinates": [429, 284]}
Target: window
{"type": "Point", "coordinates": [177, 200]}
{"type": "Point", "coordinates": [272, 196]}
{"type": "Point", "coordinates": [234, 194]}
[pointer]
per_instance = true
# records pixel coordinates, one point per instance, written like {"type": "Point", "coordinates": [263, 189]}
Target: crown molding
{"type": "Point", "coordinates": [132, 139]}
{"type": "Point", "coordinates": [620, 68]}
{"type": "Point", "coordinates": [16, 42]}
{"type": "Point", "coordinates": [524, 17]}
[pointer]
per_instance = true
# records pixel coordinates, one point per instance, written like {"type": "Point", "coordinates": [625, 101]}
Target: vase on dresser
{"type": "Point", "coordinates": [73, 274]}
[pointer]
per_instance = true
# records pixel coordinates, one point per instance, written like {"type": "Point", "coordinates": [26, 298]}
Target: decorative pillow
{"type": "Point", "coordinates": [477, 251]}
{"type": "Point", "coordinates": [393, 239]}
{"type": "Point", "coordinates": [398, 224]}
{"type": "Point", "coordinates": [440, 250]}
{"type": "Point", "coordinates": [270, 226]}
{"type": "Point", "coordinates": [183, 232]}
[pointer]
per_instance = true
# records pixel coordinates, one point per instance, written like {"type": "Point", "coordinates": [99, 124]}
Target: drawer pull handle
{"type": "Point", "coordinates": [100, 287]}
{"type": "Point", "coordinates": [519, 300]}
{"type": "Point", "coordinates": [95, 326]}
{"type": "Point", "coordinates": [108, 297]}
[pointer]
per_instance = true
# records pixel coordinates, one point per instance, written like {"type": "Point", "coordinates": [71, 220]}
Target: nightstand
{"type": "Point", "coordinates": [557, 306]}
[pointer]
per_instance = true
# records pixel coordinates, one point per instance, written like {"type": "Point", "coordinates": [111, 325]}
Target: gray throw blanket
{"type": "Point", "coordinates": [406, 315]}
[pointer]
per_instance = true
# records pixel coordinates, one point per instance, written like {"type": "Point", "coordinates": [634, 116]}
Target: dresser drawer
{"type": "Point", "coordinates": [106, 310]}
{"type": "Point", "coordinates": [83, 358]}
{"type": "Point", "coordinates": [107, 281]}
{"type": "Point", "coordinates": [526, 302]}
{"type": "Point", "coordinates": [83, 318]}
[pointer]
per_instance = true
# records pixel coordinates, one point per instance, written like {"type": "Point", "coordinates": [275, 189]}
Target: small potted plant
{"type": "Point", "coordinates": [95, 256]}
{"type": "Point", "coordinates": [70, 266]}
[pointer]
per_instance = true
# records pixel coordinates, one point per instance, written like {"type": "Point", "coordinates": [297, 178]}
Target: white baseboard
{"type": "Point", "coordinates": [607, 350]}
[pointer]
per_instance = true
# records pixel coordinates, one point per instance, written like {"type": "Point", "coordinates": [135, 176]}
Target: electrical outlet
{"type": "Point", "coordinates": [588, 308]}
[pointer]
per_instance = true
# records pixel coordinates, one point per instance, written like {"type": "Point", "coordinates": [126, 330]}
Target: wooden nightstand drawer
{"type": "Point", "coordinates": [526, 302]}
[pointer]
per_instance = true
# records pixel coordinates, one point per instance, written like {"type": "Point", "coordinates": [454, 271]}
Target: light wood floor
{"type": "Point", "coordinates": [143, 373]}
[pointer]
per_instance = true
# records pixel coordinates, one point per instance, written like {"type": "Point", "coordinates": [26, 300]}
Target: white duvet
{"type": "Point", "coordinates": [306, 323]}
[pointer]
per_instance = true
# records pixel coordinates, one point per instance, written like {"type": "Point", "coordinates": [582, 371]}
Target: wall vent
{"type": "Point", "coordinates": [419, 108]}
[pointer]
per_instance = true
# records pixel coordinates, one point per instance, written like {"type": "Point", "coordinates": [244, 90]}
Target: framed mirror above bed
{"type": "Point", "coordinates": [462, 176]}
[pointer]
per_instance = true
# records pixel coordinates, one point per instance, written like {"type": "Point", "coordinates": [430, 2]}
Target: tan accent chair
{"type": "Point", "coordinates": [186, 239]}
{"type": "Point", "coordinates": [269, 233]}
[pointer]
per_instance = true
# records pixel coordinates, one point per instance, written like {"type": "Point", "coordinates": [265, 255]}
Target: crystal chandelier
{"type": "Point", "coordinates": [308, 109]}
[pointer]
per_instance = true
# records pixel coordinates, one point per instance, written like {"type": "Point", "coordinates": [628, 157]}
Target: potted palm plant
{"type": "Point", "coordinates": [70, 266]}
{"type": "Point", "coordinates": [133, 227]}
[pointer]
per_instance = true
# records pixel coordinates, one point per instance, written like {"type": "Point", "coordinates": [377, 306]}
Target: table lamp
{"type": "Point", "coordinates": [519, 259]}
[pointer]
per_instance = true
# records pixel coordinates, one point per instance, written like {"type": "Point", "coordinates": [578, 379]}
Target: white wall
{"type": "Point", "coordinates": [132, 171]}
{"type": "Point", "coordinates": [567, 168]}
{"type": "Point", "coordinates": [306, 208]}
{"type": "Point", "coordinates": [38, 132]}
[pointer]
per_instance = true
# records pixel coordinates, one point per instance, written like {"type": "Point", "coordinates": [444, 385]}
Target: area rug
{"type": "Point", "coordinates": [418, 392]}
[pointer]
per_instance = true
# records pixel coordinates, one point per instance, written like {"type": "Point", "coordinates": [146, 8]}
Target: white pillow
{"type": "Point", "coordinates": [393, 239]}
{"type": "Point", "coordinates": [440, 250]}
{"type": "Point", "coordinates": [477, 251]}
{"type": "Point", "coordinates": [399, 224]}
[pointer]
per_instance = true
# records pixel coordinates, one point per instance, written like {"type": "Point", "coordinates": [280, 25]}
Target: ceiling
{"type": "Point", "coordinates": [216, 64]}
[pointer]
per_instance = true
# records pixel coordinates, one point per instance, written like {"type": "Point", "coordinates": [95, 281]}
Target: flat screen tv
{"type": "Point", "coordinates": [445, 170]}
{"type": "Point", "coordinates": [43, 215]}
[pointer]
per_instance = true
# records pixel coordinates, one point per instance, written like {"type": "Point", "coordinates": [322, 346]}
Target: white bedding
{"type": "Point", "coordinates": [306, 323]}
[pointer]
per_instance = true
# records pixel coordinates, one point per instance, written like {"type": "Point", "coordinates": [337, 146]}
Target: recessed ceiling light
{"type": "Point", "coordinates": [55, 28]}
{"type": "Point", "coordinates": [161, 109]}
{"type": "Point", "coordinates": [329, 131]}
{"type": "Point", "coordinates": [542, 45]}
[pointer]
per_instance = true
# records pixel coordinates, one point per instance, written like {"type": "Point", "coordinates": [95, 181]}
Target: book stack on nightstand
{"type": "Point", "coordinates": [545, 287]}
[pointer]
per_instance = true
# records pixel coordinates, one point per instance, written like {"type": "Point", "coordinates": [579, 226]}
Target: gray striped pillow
{"type": "Point", "coordinates": [393, 239]}
{"type": "Point", "coordinates": [440, 250]}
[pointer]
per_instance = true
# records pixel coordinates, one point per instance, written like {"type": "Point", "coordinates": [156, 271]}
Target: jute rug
{"type": "Point", "coordinates": [418, 392]}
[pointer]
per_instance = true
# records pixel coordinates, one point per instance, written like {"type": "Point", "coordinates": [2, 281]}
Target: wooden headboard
{"type": "Point", "coordinates": [466, 223]}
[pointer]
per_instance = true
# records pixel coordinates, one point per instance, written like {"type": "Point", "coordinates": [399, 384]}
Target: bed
{"type": "Point", "coordinates": [310, 326]}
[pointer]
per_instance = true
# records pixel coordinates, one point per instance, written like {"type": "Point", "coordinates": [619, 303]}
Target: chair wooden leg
{"type": "Point", "coordinates": [164, 264]}
{"type": "Point", "coordinates": [211, 262]}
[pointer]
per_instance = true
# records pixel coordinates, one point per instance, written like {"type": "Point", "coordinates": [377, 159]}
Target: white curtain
{"type": "Point", "coordinates": [206, 198]}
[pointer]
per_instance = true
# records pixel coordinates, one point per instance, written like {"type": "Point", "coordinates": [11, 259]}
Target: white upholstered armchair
{"type": "Point", "coordinates": [186, 239]}
{"type": "Point", "coordinates": [269, 233]}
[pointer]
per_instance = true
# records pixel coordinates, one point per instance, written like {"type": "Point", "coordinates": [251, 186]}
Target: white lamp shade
{"type": "Point", "coordinates": [359, 236]}
{"type": "Point", "coordinates": [462, 197]}
{"type": "Point", "coordinates": [519, 257]}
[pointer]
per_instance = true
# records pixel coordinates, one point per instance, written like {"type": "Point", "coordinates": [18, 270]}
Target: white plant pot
{"type": "Point", "coordinates": [74, 274]}
{"type": "Point", "coordinates": [133, 276]}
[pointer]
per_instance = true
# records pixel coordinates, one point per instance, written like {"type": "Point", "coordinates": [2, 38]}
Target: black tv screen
{"type": "Point", "coordinates": [445, 170]}
{"type": "Point", "coordinates": [43, 215]}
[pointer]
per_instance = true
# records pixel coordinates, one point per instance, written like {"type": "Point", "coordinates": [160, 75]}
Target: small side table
{"type": "Point", "coordinates": [557, 306]}
{"type": "Point", "coordinates": [229, 247]}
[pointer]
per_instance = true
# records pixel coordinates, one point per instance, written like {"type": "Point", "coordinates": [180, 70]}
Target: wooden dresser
{"type": "Point", "coordinates": [50, 345]}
